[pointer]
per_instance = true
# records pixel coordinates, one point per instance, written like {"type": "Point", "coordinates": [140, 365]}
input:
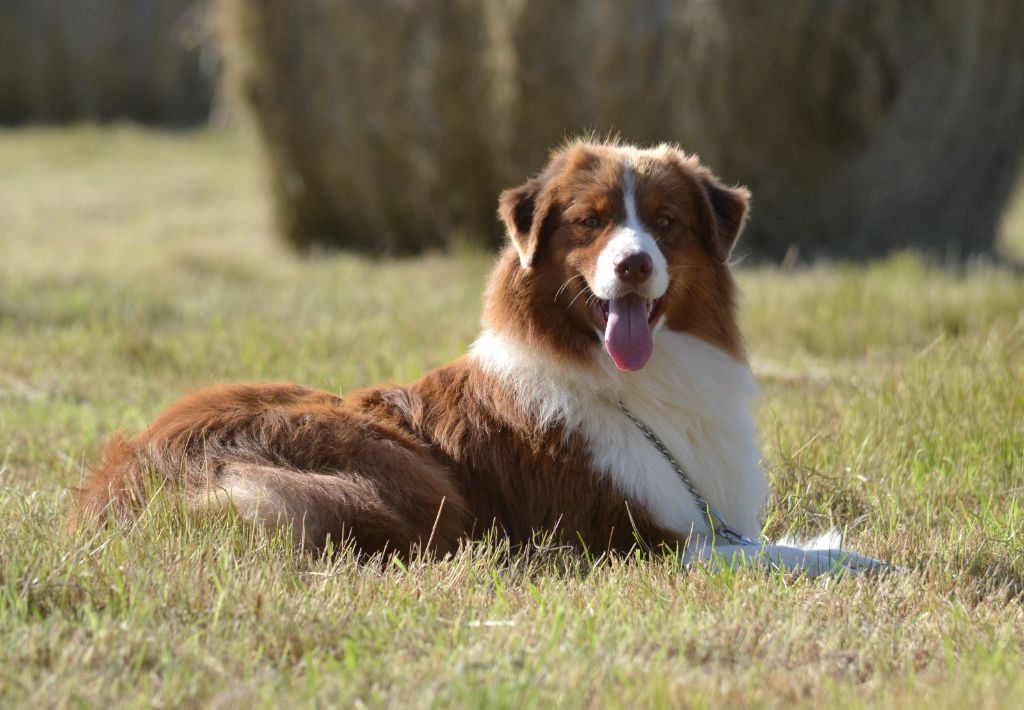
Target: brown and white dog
{"type": "Point", "coordinates": [615, 287]}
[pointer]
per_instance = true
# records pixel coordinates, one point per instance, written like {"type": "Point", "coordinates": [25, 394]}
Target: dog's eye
{"type": "Point", "coordinates": [591, 222]}
{"type": "Point", "coordinates": [663, 222]}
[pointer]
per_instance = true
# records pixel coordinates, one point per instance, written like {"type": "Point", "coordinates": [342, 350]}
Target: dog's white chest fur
{"type": "Point", "coordinates": [696, 398]}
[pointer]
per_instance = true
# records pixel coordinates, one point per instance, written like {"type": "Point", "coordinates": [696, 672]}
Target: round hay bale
{"type": "Point", "coordinates": [146, 60]}
{"type": "Point", "coordinates": [862, 126]}
{"type": "Point", "coordinates": [369, 113]}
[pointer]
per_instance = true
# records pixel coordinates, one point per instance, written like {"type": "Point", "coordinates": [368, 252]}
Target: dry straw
{"type": "Point", "coordinates": [861, 125]}
{"type": "Point", "coordinates": [64, 60]}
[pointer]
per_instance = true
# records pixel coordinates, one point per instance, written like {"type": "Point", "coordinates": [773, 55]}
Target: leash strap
{"type": "Point", "coordinates": [715, 520]}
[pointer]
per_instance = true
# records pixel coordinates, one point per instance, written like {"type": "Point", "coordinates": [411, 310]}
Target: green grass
{"type": "Point", "coordinates": [134, 266]}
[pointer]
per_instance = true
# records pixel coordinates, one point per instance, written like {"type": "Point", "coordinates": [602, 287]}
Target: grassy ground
{"type": "Point", "coordinates": [135, 266]}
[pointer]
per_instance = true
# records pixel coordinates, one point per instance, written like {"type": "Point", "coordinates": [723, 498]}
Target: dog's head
{"type": "Point", "coordinates": [610, 243]}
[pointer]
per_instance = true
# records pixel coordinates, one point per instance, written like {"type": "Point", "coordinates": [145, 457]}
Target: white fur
{"type": "Point", "coordinates": [813, 561]}
{"type": "Point", "coordinates": [696, 398]}
{"type": "Point", "coordinates": [630, 238]}
{"type": "Point", "coordinates": [832, 540]}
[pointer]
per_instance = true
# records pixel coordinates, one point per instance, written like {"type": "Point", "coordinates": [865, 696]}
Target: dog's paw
{"type": "Point", "coordinates": [833, 562]}
{"type": "Point", "coordinates": [810, 562]}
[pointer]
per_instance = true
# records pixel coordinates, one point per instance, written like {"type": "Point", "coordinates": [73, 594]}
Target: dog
{"type": "Point", "coordinates": [607, 401]}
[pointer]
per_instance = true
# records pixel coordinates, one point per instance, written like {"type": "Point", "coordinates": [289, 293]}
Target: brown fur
{"type": "Point", "coordinates": [452, 455]}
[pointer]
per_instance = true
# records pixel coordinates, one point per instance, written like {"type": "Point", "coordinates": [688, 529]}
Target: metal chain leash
{"type": "Point", "coordinates": [715, 520]}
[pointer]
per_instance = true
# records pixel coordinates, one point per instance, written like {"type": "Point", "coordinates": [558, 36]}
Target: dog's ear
{"type": "Point", "coordinates": [728, 207]}
{"type": "Point", "coordinates": [531, 210]}
{"type": "Point", "coordinates": [518, 209]}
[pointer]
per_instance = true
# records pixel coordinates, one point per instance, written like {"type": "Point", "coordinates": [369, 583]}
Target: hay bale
{"type": "Point", "coordinates": [370, 116]}
{"type": "Point", "coordinates": [64, 60]}
{"type": "Point", "coordinates": [865, 127]}
{"type": "Point", "coordinates": [861, 126]}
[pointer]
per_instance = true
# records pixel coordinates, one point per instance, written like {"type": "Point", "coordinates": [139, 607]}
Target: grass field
{"type": "Point", "coordinates": [134, 266]}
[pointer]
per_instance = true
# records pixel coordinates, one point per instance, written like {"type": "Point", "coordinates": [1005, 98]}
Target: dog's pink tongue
{"type": "Point", "coordinates": [628, 334]}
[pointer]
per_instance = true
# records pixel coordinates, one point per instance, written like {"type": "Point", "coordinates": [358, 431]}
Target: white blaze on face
{"type": "Point", "coordinates": [630, 238]}
{"type": "Point", "coordinates": [627, 309]}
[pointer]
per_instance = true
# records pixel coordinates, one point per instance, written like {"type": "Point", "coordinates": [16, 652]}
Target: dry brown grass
{"type": "Point", "coordinates": [147, 60]}
{"type": "Point", "coordinates": [862, 127]}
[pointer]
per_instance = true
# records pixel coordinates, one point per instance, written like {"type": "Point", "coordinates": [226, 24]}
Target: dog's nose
{"type": "Point", "coordinates": [634, 268]}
